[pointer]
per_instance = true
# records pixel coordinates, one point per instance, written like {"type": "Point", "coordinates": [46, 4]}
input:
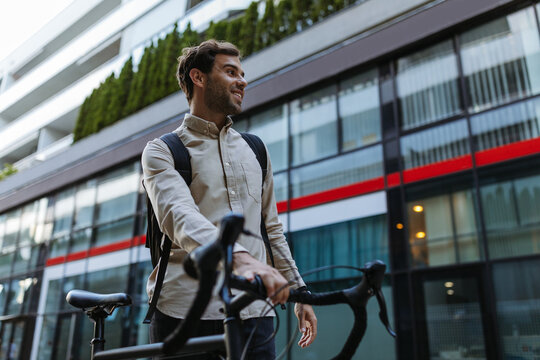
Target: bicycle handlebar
{"type": "Point", "coordinates": [203, 262]}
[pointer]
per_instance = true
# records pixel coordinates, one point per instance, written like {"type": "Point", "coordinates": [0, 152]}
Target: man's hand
{"type": "Point", "coordinates": [307, 323]}
{"type": "Point", "coordinates": [276, 286]}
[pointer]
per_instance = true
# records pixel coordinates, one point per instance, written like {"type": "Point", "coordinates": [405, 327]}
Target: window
{"type": "Point", "coordinates": [314, 126]}
{"type": "Point", "coordinates": [117, 194]}
{"type": "Point", "coordinates": [359, 110]}
{"type": "Point", "coordinates": [436, 144]}
{"type": "Point", "coordinates": [427, 85]}
{"type": "Point", "coordinates": [3, 295]}
{"type": "Point", "coordinates": [11, 231]}
{"type": "Point", "coordinates": [63, 212]}
{"type": "Point", "coordinates": [271, 127]}
{"type": "Point", "coordinates": [80, 240]}
{"type": "Point", "coordinates": [59, 246]}
{"type": "Point", "coordinates": [28, 223]}
{"type": "Point", "coordinates": [19, 294]}
{"type": "Point", "coordinates": [53, 296]}
{"type": "Point", "coordinates": [443, 229]}
{"type": "Point", "coordinates": [348, 243]}
{"type": "Point", "coordinates": [280, 187]}
{"type": "Point", "coordinates": [344, 170]}
{"type": "Point", "coordinates": [512, 216]}
{"type": "Point", "coordinates": [26, 258]}
{"type": "Point", "coordinates": [501, 60]}
{"type": "Point", "coordinates": [506, 125]}
{"type": "Point", "coordinates": [517, 295]}
{"type": "Point", "coordinates": [116, 231]}
{"type": "Point", "coordinates": [454, 318]}
{"type": "Point", "coordinates": [85, 199]}
{"type": "Point", "coordinates": [109, 280]}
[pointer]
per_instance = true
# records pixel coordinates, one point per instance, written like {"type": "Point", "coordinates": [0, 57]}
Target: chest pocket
{"type": "Point", "coordinates": [253, 180]}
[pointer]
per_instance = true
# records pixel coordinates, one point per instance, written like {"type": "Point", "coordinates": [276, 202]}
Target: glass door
{"type": "Point", "coordinates": [451, 305]}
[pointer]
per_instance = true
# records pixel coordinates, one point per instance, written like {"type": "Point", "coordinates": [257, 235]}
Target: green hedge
{"type": "Point", "coordinates": [155, 78]}
{"type": "Point", "coordinates": [7, 170]}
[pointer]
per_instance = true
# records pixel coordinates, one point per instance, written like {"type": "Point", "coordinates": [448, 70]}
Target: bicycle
{"type": "Point", "coordinates": [202, 263]}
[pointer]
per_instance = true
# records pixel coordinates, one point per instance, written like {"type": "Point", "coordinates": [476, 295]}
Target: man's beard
{"type": "Point", "coordinates": [218, 99]}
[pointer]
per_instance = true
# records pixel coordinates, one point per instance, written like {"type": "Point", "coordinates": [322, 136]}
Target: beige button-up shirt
{"type": "Point", "coordinates": [226, 176]}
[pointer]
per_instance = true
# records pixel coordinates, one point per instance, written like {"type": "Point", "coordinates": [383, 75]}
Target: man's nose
{"type": "Point", "coordinates": [242, 82]}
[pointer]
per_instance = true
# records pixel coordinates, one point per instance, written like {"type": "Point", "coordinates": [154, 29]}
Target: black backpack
{"type": "Point", "coordinates": [154, 236]}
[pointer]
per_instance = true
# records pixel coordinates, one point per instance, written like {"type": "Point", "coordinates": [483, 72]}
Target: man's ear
{"type": "Point", "coordinates": [197, 77]}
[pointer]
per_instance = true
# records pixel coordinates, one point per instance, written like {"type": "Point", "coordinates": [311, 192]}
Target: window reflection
{"type": "Point", "coordinates": [348, 243]}
{"type": "Point", "coordinates": [443, 229]}
{"type": "Point", "coordinates": [271, 127]}
{"type": "Point", "coordinates": [314, 126]}
{"type": "Point", "coordinates": [507, 125]}
{"type": "Point", "coordinates": [518, 307]}
{"type": "Point", "coordinates": [3, 295]}
{"type": "Point", "coordinates": [28, 223]}
{"type": "Point", "coordinates": [454, 319]}
{"type": "Point", "coordinates": [427, 85]}
{"type": "Point", "coordinates": [501, 60]}
{"type": "Point", "coordinates": [512, 216]}
{"type": "Point", "coordinates": [280, 187]}
{"type": "Point", "coordinates": [84, 204]}
{"type": "Point", "coordinates": [80, 240]}
{"type": "Point", "coordinates": [63, 212]}
{"type": "Point", "coordinates": [436, 144]}
{"type": "Point", "coordinates": [19, 292]}
{"type": "Point", "coordinates": [344, 170]}
{"type": "Point", "coordinates": [117, 231]}
{"type": "Point", "coordinates": [13, 219]}
{"type": "Point", "coordinates": [359, 110]}
{"type": "Point", "coordinates": [117, 194]}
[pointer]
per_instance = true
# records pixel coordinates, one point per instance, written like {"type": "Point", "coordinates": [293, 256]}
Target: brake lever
{"type": "Point", "coordinates": [375, 276]}
{"type": "Point", "coordinates": [383, 313]}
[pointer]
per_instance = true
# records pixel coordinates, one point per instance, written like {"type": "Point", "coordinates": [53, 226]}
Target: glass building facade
{"type": "Point", "coordinates": [427, 159]}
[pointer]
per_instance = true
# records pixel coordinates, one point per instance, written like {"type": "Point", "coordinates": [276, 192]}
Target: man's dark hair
{"type": "Point", "coordinates": [200, 57]}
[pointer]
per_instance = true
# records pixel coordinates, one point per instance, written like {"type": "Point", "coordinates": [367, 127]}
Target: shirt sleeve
{"type": "Point", "coordinates": [178, 215]}
{"type": "Point", "coordinates": [280, 248]}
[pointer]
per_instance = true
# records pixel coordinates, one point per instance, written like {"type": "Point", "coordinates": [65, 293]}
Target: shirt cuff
{"type": "Point", "coordinates": [239, 248]}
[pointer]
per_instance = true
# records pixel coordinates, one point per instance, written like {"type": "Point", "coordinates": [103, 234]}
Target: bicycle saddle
{"type": "Point", "coordinates": [87, 300]}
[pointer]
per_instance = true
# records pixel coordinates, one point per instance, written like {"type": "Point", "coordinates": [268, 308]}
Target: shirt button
{"type": "Point", "coordinates": [232, 192]}
{"type": "Point", "coordinates": [227, 164]}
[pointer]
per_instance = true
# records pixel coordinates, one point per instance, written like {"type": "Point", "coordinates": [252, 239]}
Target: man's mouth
{"type": "Point", "coordinates": [238, 94]}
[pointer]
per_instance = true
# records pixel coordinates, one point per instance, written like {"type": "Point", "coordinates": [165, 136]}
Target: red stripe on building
{"type": "Point", "coordinates": [437, 169]}
{"type": "Point", "coordinates": [139, 240]}
{"type": "Point", "coordinates": [121, 245]}
{"type": "Point", "coordinates": [281, 206]}
{"type": "Point", "coordinates": [55, 261]}
{"type": "Point", "coordinates": [508, 152]}
{"type": "Point", "coordinates": [77, 255]}
{"type": "Point", "coordinates": [393, 179]}
{"type": "Point", "coordinates": [338, 193]}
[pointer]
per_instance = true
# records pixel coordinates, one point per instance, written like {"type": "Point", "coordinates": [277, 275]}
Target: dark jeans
{"type": "Point", "coordinates": [162, 325]}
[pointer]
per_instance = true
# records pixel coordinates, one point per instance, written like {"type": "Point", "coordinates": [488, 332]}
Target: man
{"type": "Point", "coordinates": [226, 176]}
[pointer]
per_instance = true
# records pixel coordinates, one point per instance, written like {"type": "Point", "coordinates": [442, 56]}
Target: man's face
{"type": "Point", "coordinates": [224, 90]}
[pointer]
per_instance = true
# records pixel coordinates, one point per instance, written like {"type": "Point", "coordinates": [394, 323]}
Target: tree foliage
{"type": "Point", "coordinates": [8, 170]}
{"type": "Point", "coordinates": [155, 74]}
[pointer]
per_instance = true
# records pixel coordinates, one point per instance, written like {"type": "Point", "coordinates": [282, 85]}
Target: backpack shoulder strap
{"type": "Point", "coordinates": [182, 160]}
{"type": "Point", "coordinates": [257, 145]}
{"type": "Point", "coordinates": [182, 164]}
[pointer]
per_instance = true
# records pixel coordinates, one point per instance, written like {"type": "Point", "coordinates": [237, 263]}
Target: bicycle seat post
{"type": "Point", "coordinates": [98, 342]}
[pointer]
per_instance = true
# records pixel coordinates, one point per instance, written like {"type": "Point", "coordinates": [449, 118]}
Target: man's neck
{"type": "Point", "coordinates": [217, 118]}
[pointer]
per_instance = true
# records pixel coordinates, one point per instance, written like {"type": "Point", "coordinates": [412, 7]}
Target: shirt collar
{"type": "Point", "coordinates": [205, 127]}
